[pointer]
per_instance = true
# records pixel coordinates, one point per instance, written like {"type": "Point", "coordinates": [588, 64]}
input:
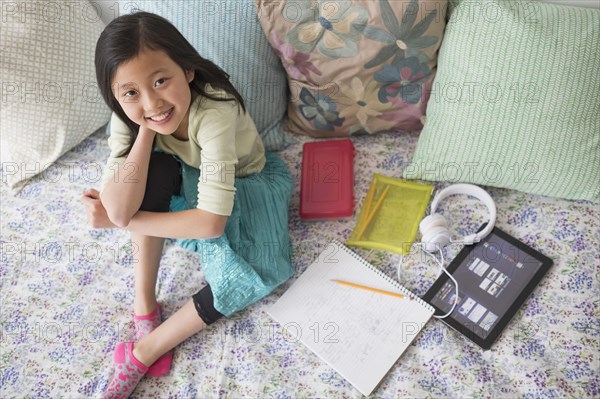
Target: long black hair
{"type": "Point", "coordinates": [127, 35]}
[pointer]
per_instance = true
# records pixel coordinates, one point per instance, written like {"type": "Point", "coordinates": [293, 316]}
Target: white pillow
{"type": "Point", "coordinates": [49, 96]}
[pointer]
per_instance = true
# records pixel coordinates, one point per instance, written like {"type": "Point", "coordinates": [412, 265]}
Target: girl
{"type": "Point", "coordinates": [186, 162]}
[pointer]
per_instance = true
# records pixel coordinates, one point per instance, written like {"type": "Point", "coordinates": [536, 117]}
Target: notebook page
{"type": "Point", "coordinates": [359, 333]}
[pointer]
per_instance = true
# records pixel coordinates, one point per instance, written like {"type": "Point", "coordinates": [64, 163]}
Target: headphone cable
{"type": "Point", "coordinates": [443, 269]}
{"type": "Point", "coordinates": [440, 263]}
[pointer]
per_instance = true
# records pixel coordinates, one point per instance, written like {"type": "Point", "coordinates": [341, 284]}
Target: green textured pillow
{"type": "Point", "coordinates": [516, 100]}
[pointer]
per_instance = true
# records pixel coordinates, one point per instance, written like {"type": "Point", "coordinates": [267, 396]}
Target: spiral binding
{"type": "Point", "coordinates": [404, 290]}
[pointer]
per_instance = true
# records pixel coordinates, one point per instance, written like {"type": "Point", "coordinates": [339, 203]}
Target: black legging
{"type": "Point", "coordinates": [164, 181]}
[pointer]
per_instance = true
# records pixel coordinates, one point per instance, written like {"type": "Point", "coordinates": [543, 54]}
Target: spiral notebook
{"type": "Point", "coordinates": [359, 333]}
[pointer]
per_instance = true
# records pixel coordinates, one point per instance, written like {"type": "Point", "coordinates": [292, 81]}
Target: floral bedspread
{"type": "Point", "coordinates": [67, 294]}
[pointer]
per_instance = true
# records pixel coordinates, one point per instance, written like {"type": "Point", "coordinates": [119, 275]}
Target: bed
{"type": "Point", "coordinates": [67, 298]}
{"type": "Point", "coordinates": [66, 289]}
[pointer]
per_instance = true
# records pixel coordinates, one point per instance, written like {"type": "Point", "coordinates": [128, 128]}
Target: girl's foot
{"type": "Point", "coordinates": [128, 373]}
{"type": "Point", "coordinates": [144, 325]}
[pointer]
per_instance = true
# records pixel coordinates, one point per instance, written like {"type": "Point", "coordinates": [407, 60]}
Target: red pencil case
{"type": "Point", "coordinates": [327, 185]}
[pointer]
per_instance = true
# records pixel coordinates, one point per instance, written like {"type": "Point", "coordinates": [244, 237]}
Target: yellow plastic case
{"type": "Point", "coordinates": [390, 214]}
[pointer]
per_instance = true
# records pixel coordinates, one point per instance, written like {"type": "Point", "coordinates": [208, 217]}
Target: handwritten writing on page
{"type": "Point", "coordinates": [359, 333]}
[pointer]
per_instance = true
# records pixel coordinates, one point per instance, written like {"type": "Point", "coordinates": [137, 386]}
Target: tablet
{"type": "Point", "coordinates": [495, 277]}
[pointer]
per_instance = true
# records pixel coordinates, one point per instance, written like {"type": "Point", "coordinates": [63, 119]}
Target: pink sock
{"type": "Point", "coordinates": [144, 325]}
{"type": "Point", "coordinates": [128, 373]}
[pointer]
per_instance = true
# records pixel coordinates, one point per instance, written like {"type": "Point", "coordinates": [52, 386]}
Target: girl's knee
{"type": "Point", "coordinates": [163, 181]}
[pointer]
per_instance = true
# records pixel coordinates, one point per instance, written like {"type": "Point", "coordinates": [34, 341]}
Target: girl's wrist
{"type": "Point", "coordinates": [145, 138]}
{"type": "Point", "coordinates": [144, 131]}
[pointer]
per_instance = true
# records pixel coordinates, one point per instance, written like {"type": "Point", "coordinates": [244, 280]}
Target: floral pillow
{"type": "Point", "coordinates": [355, 66]}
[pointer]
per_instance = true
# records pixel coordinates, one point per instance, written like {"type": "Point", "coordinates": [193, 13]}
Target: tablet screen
{"type": "Point", "coordinates": [494, 277]}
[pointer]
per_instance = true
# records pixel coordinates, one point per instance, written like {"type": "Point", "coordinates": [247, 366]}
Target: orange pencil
{"type": "Point", "coordinates": [362, 287]}
{"type": "Point", "coordinates": [373, 212]}
{"type": "Point", "coordinates": [369, 199]}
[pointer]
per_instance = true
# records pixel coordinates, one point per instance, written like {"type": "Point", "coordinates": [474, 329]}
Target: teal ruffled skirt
{"type": "Point", "coordinates": [253, 256]}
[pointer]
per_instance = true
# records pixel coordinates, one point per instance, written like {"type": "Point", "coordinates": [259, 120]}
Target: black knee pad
{"type": "Point", "coordinates": [204, 302]}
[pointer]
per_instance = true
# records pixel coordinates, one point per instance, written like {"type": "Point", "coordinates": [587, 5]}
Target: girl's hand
{"type": "Point", "coordinates": [96, 213]}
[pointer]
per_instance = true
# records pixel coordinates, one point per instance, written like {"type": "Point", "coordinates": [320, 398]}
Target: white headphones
{"type": "Point", "coordinates": [435, 234]}
{"type": "Point", "coordinates": [434, 228]}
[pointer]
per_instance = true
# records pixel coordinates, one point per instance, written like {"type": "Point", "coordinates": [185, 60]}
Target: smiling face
{"type": "Point", "coordinates": [154, 92]}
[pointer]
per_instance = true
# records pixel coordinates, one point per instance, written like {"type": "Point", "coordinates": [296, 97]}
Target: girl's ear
{"type": "Point", "coordinates": [190, 75]}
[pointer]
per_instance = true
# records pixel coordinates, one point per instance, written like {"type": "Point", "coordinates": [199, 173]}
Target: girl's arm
{"type": "Point", "coordinates": [122, 197]}
{"type": "Point", "coordinates": [192, 223]}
